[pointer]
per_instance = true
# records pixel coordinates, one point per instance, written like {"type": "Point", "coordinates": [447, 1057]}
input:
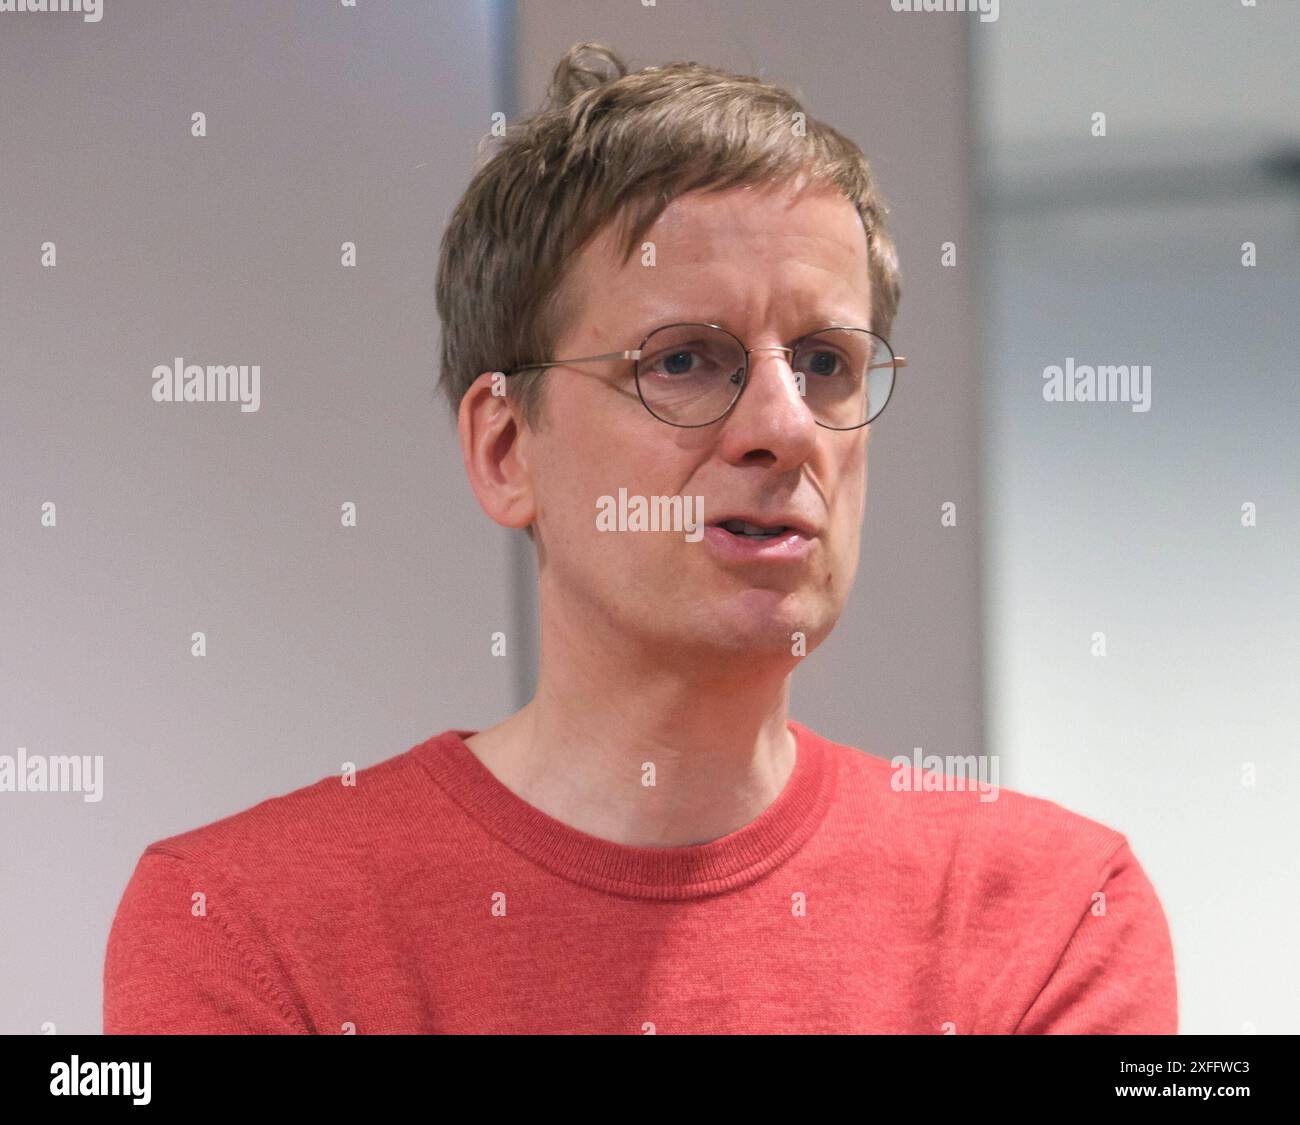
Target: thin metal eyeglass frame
{"type": "Point", "coordinates": [635, 354]}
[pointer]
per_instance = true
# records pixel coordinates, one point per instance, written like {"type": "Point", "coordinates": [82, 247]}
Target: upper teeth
{"type": "Point", "coordinates": [740, 527]}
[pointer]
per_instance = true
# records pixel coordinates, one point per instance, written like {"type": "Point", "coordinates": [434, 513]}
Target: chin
{"type": "Point", "coordinates": [762, 620]}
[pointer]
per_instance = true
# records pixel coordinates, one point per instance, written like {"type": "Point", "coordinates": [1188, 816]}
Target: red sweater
{"type": "Point", "coordinates": [429, 898]}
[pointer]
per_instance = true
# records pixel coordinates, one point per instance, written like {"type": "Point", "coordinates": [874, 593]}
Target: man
{"type": "Point", "coordinates": [669, 284]}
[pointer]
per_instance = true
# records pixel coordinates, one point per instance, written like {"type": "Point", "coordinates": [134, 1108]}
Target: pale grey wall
{"type": "Point", "coordinates": [325, 644]}
{"type": "Point", "coordinates": [1128, 249]}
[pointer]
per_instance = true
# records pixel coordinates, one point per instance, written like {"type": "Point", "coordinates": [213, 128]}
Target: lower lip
{"type": "Point", "coordinates": [789, 546]}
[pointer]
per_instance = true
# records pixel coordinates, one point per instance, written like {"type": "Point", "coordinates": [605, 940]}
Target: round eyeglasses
{"type": "Point", "coordinates": [691, 375]}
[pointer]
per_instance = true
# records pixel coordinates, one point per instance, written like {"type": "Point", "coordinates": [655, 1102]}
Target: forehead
{"type": "Point", "coordinates": [746, 247]}
{"type": "Point", "coordinates": [759, 216]}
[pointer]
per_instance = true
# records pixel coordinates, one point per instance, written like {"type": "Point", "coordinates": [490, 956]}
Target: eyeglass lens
{"type": "Point", "coordinates": [690, 374]}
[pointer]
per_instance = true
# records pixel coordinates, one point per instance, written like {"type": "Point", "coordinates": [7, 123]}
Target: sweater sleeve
{"type": "Point", "coordinates": [169, 970]}
{"type": "Point", "coordinates": [1116, 974]}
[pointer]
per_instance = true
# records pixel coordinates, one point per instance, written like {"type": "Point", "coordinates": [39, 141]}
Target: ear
{"type": "Point", "coordinates": [493, 444]}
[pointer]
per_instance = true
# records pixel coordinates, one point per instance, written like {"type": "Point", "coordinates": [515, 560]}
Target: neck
{"type": "Point", "coordinates": [609, 718]}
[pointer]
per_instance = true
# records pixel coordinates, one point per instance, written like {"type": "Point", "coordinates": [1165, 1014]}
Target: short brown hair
{"type": "Point", "coordinates": [612, 146]}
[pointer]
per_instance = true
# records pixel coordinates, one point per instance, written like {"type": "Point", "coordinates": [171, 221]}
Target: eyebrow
{"type": "Point", "coordinates": [814, 322]}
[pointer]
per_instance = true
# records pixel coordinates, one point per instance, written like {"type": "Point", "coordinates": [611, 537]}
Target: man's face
{"type": "Point", "coordinates": [769, 266]}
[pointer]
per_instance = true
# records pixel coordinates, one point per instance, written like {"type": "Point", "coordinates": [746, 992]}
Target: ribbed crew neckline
{"type": "Point", "coordinates": [694, 871]}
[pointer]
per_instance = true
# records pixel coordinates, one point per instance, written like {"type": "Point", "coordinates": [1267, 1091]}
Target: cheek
{"type": "Point", "coordinates": [851, 490]}
{"type": "Point", "coordinates": [582, 500]}
{"type": "Point", "coordinates": [849, 517]}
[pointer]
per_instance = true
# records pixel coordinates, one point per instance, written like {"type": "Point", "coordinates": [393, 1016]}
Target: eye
{"type": "Point", "coordinates": [678, 362]}
{"type": "Point", "coordinates": [694, 358]}
{"type": "Point", "coordinates": [821, 362]}
{"type": "Point", "coordinates": [838, 355]}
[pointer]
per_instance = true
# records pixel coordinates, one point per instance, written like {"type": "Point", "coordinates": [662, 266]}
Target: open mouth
{"type": "Point", "coordinates": [745, 530]}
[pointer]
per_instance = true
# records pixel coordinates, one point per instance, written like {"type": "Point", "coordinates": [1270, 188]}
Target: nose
{"type": "Point", "coordinates": [770, 417]}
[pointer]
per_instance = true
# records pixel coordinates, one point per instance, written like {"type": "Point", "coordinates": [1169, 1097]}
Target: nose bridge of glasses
{"type": "Point", "coordinates": [751, 359]}
{"type": "Point", "coordinates": [790, 385]}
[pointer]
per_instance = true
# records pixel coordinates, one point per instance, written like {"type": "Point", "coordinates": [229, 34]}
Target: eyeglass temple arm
{"type": "Point", "coordinates": [897, 361]}
{"type": "Point", "coordinates": [634, 354]}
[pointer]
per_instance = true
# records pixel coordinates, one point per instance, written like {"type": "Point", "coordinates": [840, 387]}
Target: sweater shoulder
{"type": "Point", "coordinates": [953, 813]}
{"type": "Point", "coordinates": [335, 825]}
{"type": "Point", "coordinates": [1041, 918]}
